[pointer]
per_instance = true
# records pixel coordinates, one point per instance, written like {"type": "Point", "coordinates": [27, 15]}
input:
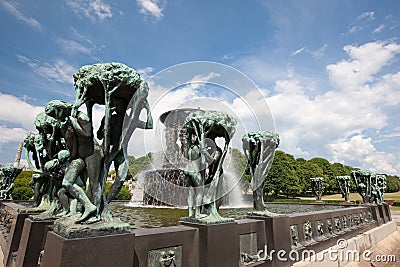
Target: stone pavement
{"type": "Point", "coordinates": [384, 254]}
{"type": "Point", "coordinates": [1, 258]}
{"type": "Point", "coordinates": [382, 243]}
{"type": "Point", "coordinates": [396, 216]}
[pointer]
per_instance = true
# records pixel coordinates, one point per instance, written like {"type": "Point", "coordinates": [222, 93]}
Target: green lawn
{"type": "Point", "coordinates": [394, 208]}
{"type": "Point", "coordinates": [352, 197]}
{"type": "Point", "coordinates": [355, 196]}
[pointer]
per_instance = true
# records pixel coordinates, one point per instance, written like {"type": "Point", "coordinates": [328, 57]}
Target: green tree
{"type": "Point", "coordinates": [124, 194]}
{"type": "Point", "coordinates": [22, 193]}
{"type": "Point", "coordinates": [282, 177]}
{"type": "Point", "coordinates": [139, 165]}
{"type": "Point", "coordinates": [22, 190]}
{"type": "Point", "coordinates": [343, 170]}
{"type": "Point", "coordinates": [392, 184]}
{"type": "Point", "coordinates": [306, 170]}
{"type": "Point", "coordinates": [327, 173]}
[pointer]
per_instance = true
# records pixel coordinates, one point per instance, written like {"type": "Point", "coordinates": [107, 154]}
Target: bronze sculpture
{"type": "Point", "coordinates": [259, 148]}
{"type": "Point", "coordinates": [204, 168]}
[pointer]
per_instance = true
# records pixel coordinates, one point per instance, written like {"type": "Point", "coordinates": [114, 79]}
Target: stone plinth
{"type": "Point", "coordinates": [376, 214]}
{"type": "Point", "coordinates": [151, 243]}
{"type": "Point", "coordinates": [69, 229]}
{"type": "Point", "coordinates": [277, 234]}
{"type": "Point", "coordinates": [32, 241]}
{"type": "Point", "coordinates": [11, 224]}
{"type": "Point", "coordinates": [252, 240]}
{"type": "Point", "coordinates": [218, 244]}
{"type": "Point", "coordinates": [111, 250]}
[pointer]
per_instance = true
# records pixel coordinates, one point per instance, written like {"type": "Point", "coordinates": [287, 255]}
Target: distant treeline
{"type": "Point", "coordinates": [288, 176]}
{"type": "Point", "coordinates": [291, 177]}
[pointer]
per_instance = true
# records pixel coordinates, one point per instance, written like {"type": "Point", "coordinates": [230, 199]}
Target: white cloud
{"type": "Point", "coordinates": [334, 124]}
{"type": "Point", "coordinates": [306, 125]}
{"type": "Point", "coordinates": [153, 8]}
{"type": "Point", "coordinates": [26, 112]}
{"type": "Point", "coordinates": [72, 46]}
{"type": "Point", "coordinates": [81, 38]}
{"type": "Point", "coordinates": [370, 15]}
{"type": "Point", "coordinates": [92, 9]}
{"type": "Point", "coordinates": [145, 72]}
{"type": "Point", "coordinates": [59, 71]}
{"type": "Point", "coordinates": [366, 16]}
{"type": "Point", "coordinates": [361, 150]}
{"type": "Point", "coordinates": [200, 80]}
{"type": "Point", "coordinates": [23, 119]}
{"type": "Point", "coordinates": [319, 52]}
{"type": "Point", "coordinates": [19, 15]}
{"type": "Point", "coordinates": [393, 134]}
{"type": "Point", "coordinates": [298, 51]}
{"type": "Point", "coordinates": [227, 57]}
{"type": "Point", "coordinates": [355, 29]}
{"type": "Point", "coordinates": [98, 113]}
{"type": "Point", "coordinates": [78, 44]}
{"type": "Point", "coordinates": [361, 66]}
{"type": "Point", "coordinates": [379, 29]}
{"type": "Point", "coordinates": [11, 135]}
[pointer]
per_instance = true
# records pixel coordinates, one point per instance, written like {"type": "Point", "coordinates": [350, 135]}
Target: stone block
{"type": "Point", "coordinates": [111, 250]}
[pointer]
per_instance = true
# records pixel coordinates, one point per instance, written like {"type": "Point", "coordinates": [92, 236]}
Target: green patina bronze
{"type": "Point", "coordinates": [204, 167]}
{"type": "Point", "coordinates": [317, 186]}
{"type": "Point", "coordinates": [371, 186]}
{"type": "Point", "coordinates": [259, 148]}
{"type": "Point", "coordinates": [67, 156]}
{"type": "Point", "coordinates": [44, 146]}
{"type": "Point", "coordinates": [85, 156]}
{"type": "Point", "coordinates": [344, 186]}
{"type": "Point", "coordinates": [119, 88]}
{"type": "Point", "coordinates": [34, 143]}
{"type": "Point", "coordinates": [8, 175]}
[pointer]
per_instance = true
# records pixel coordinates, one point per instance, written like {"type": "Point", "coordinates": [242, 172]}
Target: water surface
{"type": "Point", "coordinates": [151, 217]}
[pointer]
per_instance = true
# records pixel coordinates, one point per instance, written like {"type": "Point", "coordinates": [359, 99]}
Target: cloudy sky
{"type": "Point", "coordinates": [329, 70]}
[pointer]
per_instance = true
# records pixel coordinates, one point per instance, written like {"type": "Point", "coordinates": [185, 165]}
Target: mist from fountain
{"type": "Point", "coordinates": [234, 198]}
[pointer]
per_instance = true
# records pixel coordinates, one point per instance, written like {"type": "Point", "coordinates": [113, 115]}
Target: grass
{"type": "Point", "coordinates": [393, 196]}
{"type": "Point", "coordinates": [355, 196]}
{"type": "Point", "coordinates": [352, 197]}
{"type": "Point", "coordinates": [394, 208]}
{"type": "Point", "coordinates": [338, 197]}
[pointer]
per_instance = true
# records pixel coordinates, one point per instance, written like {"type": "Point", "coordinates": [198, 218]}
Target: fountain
{"type": "Point", "coordinates": [169, 176]}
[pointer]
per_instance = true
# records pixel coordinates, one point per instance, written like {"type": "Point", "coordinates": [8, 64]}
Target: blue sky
{"type": "Point", "coordinates": [329, 70]}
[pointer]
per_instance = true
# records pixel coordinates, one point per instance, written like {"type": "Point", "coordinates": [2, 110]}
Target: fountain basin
{"type": "Point", "coordinates": [162, 216]}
